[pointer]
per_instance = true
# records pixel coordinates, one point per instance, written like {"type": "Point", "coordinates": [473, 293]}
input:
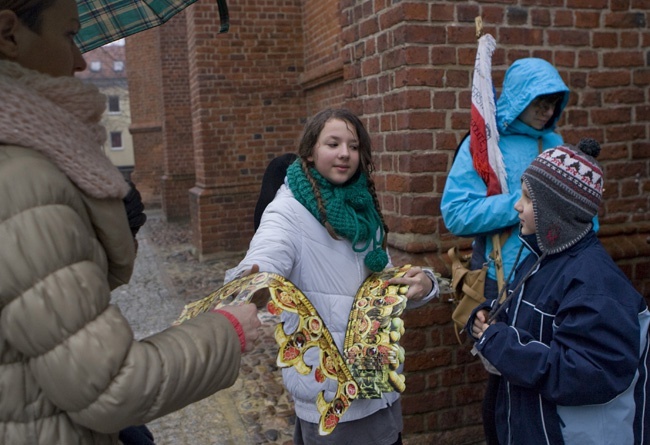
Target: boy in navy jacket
{"type": "Point", "coordinates": [571, 340]}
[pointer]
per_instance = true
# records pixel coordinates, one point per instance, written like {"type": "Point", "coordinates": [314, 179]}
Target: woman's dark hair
{"type": "Point", "coordinates": [28, 11]}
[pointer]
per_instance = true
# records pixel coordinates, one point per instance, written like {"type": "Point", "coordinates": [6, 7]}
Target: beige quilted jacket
{"type": "Point", "coordinates": [70, 369]}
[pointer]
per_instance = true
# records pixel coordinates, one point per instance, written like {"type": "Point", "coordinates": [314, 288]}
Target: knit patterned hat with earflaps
{"type": "Point", "coordinates": [565, 185]}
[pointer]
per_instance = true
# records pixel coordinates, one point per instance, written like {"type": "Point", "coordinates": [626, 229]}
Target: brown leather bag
{"type": "Point", "coordinates": [468, 288]}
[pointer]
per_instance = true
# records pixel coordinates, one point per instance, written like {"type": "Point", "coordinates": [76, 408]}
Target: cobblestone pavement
{"type": "Point", "coordinates": [256, 409]}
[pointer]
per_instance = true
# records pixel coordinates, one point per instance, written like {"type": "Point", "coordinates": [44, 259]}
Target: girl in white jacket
{"type": "Point", "coordinates": [324, 231]}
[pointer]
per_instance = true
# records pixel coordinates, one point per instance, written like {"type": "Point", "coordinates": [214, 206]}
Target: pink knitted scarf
{"type": "Point", "coordinates": [59, 117]}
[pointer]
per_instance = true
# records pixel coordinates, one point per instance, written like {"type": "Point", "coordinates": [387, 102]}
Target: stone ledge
{"type": "Point", "coordinates": [322, 74]}
{"type": "Point", "coordinates": [145, 127]}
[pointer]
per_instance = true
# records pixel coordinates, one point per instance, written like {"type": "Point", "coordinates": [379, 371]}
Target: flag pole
{"type": "Point", "coordinates": [496, 238]}
{"type": "Point", "coordinates": [498, 264]}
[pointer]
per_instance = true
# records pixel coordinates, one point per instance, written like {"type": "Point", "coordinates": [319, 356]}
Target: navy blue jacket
{"type": "Point", "coordinates": [572, 347]}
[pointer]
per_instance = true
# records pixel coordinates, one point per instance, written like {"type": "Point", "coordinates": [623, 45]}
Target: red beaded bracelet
{"type": "Point", "coordinates": [236, 324]}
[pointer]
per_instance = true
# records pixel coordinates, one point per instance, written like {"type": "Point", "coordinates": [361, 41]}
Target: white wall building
{"type": "Point", "coordinates": [107, 70]}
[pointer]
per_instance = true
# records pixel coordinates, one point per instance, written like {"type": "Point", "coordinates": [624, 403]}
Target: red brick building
{"type": "Point", "coordinates": [210, 110]}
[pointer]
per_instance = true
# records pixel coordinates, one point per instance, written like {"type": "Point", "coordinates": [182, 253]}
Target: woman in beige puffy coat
{"type": "Point", "coordinates": [70, 369]}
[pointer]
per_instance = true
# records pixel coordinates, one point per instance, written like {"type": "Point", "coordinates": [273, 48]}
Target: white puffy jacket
{"type": "Point", "coordinates": [292, 243]}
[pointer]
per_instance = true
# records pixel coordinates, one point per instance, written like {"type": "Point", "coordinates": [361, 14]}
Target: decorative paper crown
{"type": "Point", "coordinates": [371, 356]}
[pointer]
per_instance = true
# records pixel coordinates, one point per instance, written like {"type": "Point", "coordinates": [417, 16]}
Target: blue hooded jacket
{"type": "Point", "coordinates": [466, 208]}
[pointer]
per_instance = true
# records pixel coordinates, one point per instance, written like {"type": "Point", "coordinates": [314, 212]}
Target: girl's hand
{"type": "Point", "coordinates": [419, 283]}
{"type": "Point", "coordinates": [254, 269]}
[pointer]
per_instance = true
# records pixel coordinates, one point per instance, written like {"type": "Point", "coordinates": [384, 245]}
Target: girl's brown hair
{"type": "Point", "coordinates": [308, 142]}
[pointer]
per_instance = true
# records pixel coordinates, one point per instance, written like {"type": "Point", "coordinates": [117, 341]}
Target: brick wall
{"type": "Point", "coordinates": [406, 68]}
{"type": "Point", "coordinates": [178, 154]}
{"type": "Point", "coordinates": [145, 92]}
{"type": "Point", "coordinates": [408, 81]}
{"type": "Point", "coordinates": [247, 108]}
{"type": "Point", "coordinates": [322, 79]}
{"type": "Point", "coordinates": [162, 120]}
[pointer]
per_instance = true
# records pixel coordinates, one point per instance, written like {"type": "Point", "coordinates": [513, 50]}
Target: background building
{"type": "Point", "coordinates": [107, 70]}
{"type": "Point", "coordinates": [210, 110]}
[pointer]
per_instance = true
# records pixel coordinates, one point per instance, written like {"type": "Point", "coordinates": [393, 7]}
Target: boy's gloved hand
{"type": "Point", "coordinates": [134, 209]}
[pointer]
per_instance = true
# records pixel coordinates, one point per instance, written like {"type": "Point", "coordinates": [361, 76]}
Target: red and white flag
{"type": "Point", "coordinates": [484, 136]}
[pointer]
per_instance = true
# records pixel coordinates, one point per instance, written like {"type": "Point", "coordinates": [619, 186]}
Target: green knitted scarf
{"type": "Point", "coordinates": [350, 210]}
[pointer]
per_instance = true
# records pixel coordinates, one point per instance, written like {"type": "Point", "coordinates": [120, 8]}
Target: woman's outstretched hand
{"type": "Point", "coordinates": [246, 314]}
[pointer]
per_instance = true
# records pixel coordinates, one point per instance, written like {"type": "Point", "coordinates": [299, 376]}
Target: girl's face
{"type": "Point", "coordinates": [52, 50]}
{"type": "Point", "coordinates": [336, 153]}
{"type": "Point", "coordinates": [539, 112]}
{"type": "Point", "coordinates": [526, 213]}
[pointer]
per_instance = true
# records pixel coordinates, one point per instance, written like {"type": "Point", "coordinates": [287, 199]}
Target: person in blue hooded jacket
{"type": "Point", "coordinates": [531, 102]}
{"type": "Point", "coordinates": [571, 340]}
